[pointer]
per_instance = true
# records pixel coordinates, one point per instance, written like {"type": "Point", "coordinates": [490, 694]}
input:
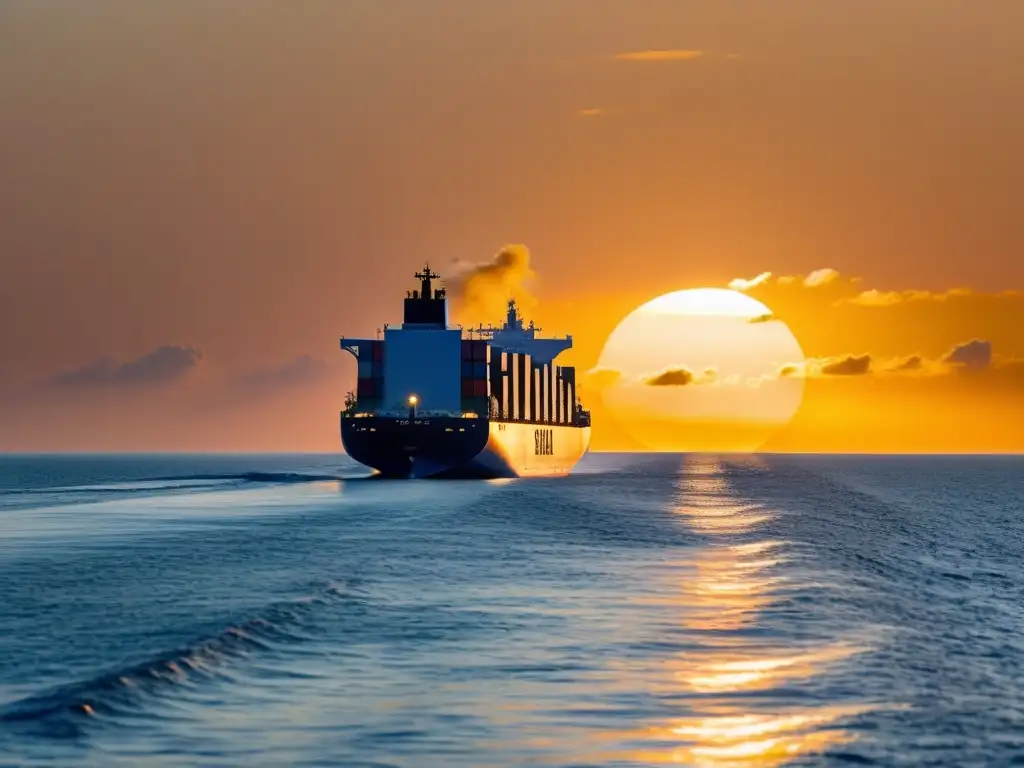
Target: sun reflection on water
{"type": "Point", "coordinates": [727, 587]}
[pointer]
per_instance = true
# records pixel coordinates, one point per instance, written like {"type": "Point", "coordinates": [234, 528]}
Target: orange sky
{"type": "Point", "coordinates": [908, 371]}
{"type": "Point", "coordinates": [252, 179]}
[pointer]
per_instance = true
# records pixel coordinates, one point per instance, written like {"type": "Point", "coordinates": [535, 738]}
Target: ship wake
{"type": "Point", "coordinates": [131, 691]}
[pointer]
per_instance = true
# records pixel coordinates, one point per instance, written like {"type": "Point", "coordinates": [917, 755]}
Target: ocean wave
{"type": "Point", "coordinates": [30, 498]}
{"type": "Point", "coordinates": [127, 488]}
{"type": "Point", "coordinates": [124, 692]}
{"type": "Point", "coordinates": [257, 477]}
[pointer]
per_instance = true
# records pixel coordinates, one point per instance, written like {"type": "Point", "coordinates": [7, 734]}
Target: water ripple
{"type": "Point", "coordinates": [725, 612]}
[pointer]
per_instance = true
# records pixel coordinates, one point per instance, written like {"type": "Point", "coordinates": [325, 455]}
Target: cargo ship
{"type": "Point", "coordinates": [433, 400]}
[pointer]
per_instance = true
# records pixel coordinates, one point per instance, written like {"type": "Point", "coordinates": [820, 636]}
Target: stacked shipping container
{"type": "Point", "coordinates": [476, 355]}
{"type": "Point", "coordinates": [525, 391]}
{"type": "Point", "coordinates": [370, 381]}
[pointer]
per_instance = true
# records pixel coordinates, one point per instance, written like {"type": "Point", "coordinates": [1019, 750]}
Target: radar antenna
{"type": "Point", "coordinates": [425, 277]}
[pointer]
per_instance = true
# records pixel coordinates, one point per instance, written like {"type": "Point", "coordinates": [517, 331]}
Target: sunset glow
{"type": "Point", "coordinates": [197, 204]}
{"type": "Point", "coordinates": [725, 590]}
{"type": "Point", "coordinates": [700, 370]}
{"type": "Point", "coordinates": [712, 302]}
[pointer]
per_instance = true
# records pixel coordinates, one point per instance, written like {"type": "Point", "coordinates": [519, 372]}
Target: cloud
{"type": "Point", "coordinates": [739, 284]}
{"type": "Point", "coordinates": [673, 54]}
{"type": "Point", "coordinates": [850, 365]}
{"type": "Point", "coordinates": [484, 289]}
{"type": "Point", "coordinates": [821, 277]}
{"type": "Point", "coordinates": [161, 366]}
{"type": "Point", "coordinates": [670, 377]}
{"type": "Point", "coordinates": [766, 318]}
{"type": "Point", "coordinates": [913, 363]}
{"type": "Point", "coordinates": [876, 298]}
{"type": "Point", "coordinates": [974, 355]}
{"type": "Point", "coordinates": [679, 377]}
{"type": "Point", "coordinates": [843, 365]}
{"type": "Point", "coordinates": [815, 279]}
{"type": "Point", "coordinates": [592, 112]}
{"type": "Point", "coordinates": [300, 371]}
{"type": "Point", "coordinates": [792, 370]}
{"type": "Point", "coordinates": [919, 365]}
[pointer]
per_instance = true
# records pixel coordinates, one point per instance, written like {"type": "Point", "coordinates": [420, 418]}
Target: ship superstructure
{"type": "Point", "coordinates": [435, 400]}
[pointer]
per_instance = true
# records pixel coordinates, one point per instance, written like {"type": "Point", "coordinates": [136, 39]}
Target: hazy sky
{"type": "Point", "coordinates": [240, 182]}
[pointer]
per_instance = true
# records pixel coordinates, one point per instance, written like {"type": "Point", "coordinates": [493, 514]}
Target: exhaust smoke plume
{"type": "Point", "coordinates": [482, 290]}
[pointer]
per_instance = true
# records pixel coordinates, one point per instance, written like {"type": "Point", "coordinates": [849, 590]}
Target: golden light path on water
{"type": "Point", "coordinates": [733, 584]}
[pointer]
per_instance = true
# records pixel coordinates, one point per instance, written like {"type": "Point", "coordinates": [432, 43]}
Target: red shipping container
{"type": "Point", "coordinates": [467, 387]}
{"type": "Point", "coordinates": [378, 351]}
{"type": "Point", "coordinates": [480, 388]}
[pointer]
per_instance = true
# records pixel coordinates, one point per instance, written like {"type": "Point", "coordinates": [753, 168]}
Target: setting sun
{"type": "Point", "coordinates": [700, 370]}
{"type": "Point", "coordinates": [717, 302]}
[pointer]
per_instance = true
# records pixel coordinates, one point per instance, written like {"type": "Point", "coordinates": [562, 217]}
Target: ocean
{"type": "Point", "coordinates": [740, 611]}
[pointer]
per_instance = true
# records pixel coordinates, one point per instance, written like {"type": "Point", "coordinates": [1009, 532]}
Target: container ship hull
{"type": "Point", "coordinates": [463, 448]}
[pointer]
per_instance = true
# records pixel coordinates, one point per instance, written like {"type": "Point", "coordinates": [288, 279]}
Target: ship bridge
{"type": "Point", "coordinates": [417, 363]}
{"type": "Point", "coordinates": [515, 336]}
{"type": "Point", "coordinates": [426, 308]}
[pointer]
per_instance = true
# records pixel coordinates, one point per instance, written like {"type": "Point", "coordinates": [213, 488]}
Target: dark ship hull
{"type": "Point", "coordinates": [463, 447]}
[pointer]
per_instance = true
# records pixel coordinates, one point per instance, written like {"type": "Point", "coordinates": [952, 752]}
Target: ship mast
{"type": "Point", "coordinates": [425, 277]}
{"type": "Point", "coordinates": [512, 320]}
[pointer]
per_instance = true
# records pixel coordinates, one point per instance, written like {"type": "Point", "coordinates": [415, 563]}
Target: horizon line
{"type": "Point", "coordinates": [122, 453]}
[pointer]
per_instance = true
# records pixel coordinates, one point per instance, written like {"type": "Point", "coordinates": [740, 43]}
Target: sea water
{"type": "Point", "coordinates": [649, 609]}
